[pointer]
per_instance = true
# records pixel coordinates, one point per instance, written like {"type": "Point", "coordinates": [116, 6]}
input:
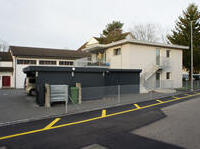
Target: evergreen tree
{"type": "Point", "coordinates": [181, 35]}
{"type": "Point", "coordinates": [112, 32]}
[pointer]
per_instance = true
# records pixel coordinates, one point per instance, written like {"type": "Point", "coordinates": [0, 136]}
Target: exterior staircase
{"type": "Point", "coordinates": [151, 69]}
{"type": "Point", "coordinates": [146, 75]}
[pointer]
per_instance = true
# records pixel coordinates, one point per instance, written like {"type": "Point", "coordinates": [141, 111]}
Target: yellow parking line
{"type": "Point", "coordinates": [176, 97]}
{"type": "Point", "coordinates": [52, 123]}
{"type": "Point", "coordinates": [92, 119]}
{"type": "Point", "coordinates": [137, 106]}
{"type": "Point", "coordinates": [159, 101]}
{"type": "Point", "coordinates": [189, 94]}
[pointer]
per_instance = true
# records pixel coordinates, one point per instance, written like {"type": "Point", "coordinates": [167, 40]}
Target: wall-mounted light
{"type": "Point", "coordinates": [73, 69]}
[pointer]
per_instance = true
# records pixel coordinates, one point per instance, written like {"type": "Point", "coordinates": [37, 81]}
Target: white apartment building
{"type": "Point", "coordinates": [161, 64]}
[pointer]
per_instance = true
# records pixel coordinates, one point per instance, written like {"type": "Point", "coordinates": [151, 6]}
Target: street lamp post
{"type": "Point", "coordinates": [191, 57]}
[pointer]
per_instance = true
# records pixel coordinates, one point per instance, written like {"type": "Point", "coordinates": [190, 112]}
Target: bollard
{"type": "Point", "coordinates": [79, 92]}
{"type": "Point", "coordinates": [47, 96]}
{"type": "Point", "coordinates": [118, 86]}
{"type": "Point", "coordinates": [103, 114]}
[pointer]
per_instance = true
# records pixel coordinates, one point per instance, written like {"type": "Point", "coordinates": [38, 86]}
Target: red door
{"type": "Point", "coordinates": [6, 81]}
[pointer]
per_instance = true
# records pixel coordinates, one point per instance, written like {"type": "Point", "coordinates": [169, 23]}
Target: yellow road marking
{"type": "Point", "coordinates": [137, 106]}
{"type": "Point", "coordinates": [92, 119]}
{"type": "Point", "coordinates": [188, 94]}
{"type": "Point", "coordinates": [21, 134]}
{"type": "Point", "coordinates": [159, 101]}
{"type": "Point", "coordinates": [103, 114]}
{"type": "Point", "coordinates": [176, 97]}
{"type": "Point", "coordinates": [52, 123]}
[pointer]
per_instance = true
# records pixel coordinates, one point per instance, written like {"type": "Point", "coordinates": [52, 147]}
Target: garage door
{"type": "Point", "coordinates": [6, 81]}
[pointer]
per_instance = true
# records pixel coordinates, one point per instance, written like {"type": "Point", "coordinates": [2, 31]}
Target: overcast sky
{"type": "Point", "coordinates": [69, 23]}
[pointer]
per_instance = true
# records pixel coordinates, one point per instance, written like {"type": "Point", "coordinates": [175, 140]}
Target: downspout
{"type": "Point", "coordinates": [121, 56]}
{"type": "Point", "coordinates": [15, 61]}
{"type": "Point", "coordinates": [15, 73]}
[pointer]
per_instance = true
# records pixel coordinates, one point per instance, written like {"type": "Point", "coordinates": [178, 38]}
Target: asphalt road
{"type": "Point", "coordinates": [94, 129]}
{"type": "Point", "coordinates": [181, 126]}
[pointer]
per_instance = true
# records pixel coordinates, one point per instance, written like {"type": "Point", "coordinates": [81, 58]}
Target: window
{"type": "Point", "coordinates": [117, 51]}
{"type": "Point", "coordinates": [43, 62]}
{"type": "Point", "coordinates": [168, 53]}
{"type": "Point", "coordinates": [66, 62]}
{"type": "Point", "coordinates": [168, 75]}
{"type": "Point", "coordinates": [26, 62]}
{"type": "Point", "coordinates": [157, 76]}
{"type": "Point", "coordinates": [158, 57]}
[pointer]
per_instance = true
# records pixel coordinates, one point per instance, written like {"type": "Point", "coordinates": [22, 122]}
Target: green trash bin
{"type": "Point", "coordinates": [74, 94]}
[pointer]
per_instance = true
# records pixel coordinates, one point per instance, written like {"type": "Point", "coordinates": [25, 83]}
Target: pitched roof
{"type": "Point", "coordinates": [82, 47]}
{"type": "Point", "coordinates": [46, 53]}
{"type": "Point", "coordinates": [6, 69]}
{"type": "Point", "coordinates": [5, 56]}
{"type": "Point", "coordinates": [135, 42]}
{"type": "Point", "coordinates": [123, 36]}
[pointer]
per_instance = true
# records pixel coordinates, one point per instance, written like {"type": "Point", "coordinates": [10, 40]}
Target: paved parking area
{"type": "Point", "coordinates": [18, 107]}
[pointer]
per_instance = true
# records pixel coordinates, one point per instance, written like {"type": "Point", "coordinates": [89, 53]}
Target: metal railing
{"type": "Point", "coordinates": [84, 62]}
{"type": "Point", "coordinates": [111, 96]}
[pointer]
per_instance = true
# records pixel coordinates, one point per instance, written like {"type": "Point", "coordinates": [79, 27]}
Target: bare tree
{"type": "Point", "coordinates": [3, 46]}
{"type": "Point", "coordinates": [148, 32]}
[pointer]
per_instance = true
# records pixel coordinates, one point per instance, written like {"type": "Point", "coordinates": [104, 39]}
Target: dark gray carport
{"type": "Point", "coordinates": [88, 77]}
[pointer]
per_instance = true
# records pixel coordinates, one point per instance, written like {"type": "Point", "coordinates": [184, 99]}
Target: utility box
{"type": "Point", "coordinates": [74, 94]}
{"type": "Point", "coordinates": [58, 93]}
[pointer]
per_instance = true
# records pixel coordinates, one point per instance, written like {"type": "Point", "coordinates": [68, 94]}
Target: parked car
{"type": "Point", "coordinates": [185, 77]}
{"type": "Point", "coordinates": [196, 76]}
{"type": "Point", "coordinates": [29, 86]}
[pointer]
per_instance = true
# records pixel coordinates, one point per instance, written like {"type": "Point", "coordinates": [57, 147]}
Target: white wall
{"type": "Point", "coordinates": [20, 75]}
{"type": "Point", "coordinates": [5, 64]}
{"type": "Point", "coordinates": [117, 61]}
{"type": "Point", "coordinates": [175, 67]}
{"type": "Point", "coordinates": [131, 57]}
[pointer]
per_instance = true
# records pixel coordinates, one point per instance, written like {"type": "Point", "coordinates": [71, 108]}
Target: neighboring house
{"type": "Point", "coordinates": [30, 56]}
{"type": "Point", "coordinates": [6, 70]}
{"type": "Point", "coordinates": [161, 64]}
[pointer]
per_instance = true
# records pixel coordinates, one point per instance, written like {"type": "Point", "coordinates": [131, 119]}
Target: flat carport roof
{"type": "Point", "coordinates": [76, 69]}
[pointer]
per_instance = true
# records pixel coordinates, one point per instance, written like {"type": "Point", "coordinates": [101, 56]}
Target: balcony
{"type": "Point", "coordinates": [85, 63]}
